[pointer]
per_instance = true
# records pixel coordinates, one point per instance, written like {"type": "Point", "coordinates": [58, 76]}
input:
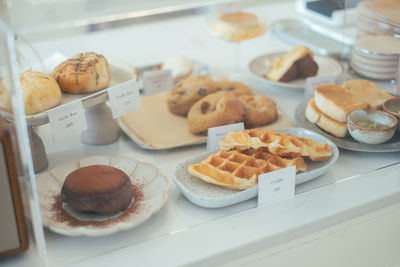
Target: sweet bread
{"type": "Point", "coordinates": [40, 92]}
{"type": "Point", "coordinates": [83, 73]}
{"type": "Point", "coordinates": [260, 110]}
{"type": "Point", "coordinates": [236, 88]}
{"type": "Point", "coordinates": [98, 188]}
{"type": "Point", "coordinates": [297, 63]}
{"type": "Point", "coordinates": [215, 110]}
{"type": "Point", "coordinates": [189, 91]}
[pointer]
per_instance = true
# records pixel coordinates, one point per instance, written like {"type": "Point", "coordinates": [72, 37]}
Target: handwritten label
{"type": "Point", "coordinates": [156, 81]}
{"type": "Point", "coordinates": [230, 7]}
{"type": "Point", "coordinates": [124, 98]}
{"type": "Point", "coordinates": [276, 185]}
{"type": "Point", "coordinates": [216, 134]}
{"type": "Point", "coordinates": [313, 82]}
{"type": "Point", "coordinates": [67, 120]}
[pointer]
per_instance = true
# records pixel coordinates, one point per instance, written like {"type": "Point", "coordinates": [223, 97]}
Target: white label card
{"type": "Point", "coordinates": [276, 185]}
{"type": "Point", "coordinates": [216, 134]}
{"type": "Point", "coordinates": [67, 120]}
{"type": "Point", "coordinates": [230, 7]}
{"type": "Point", "coordinates": [124, 98]}
{"type": "Point", "coordinates": [156, 81]}
{"type": "Point", "coordinates": [313, 82]}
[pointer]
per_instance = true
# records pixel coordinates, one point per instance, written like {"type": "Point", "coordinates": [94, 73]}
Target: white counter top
{"type": "Point", "coordinates": [182, 233]}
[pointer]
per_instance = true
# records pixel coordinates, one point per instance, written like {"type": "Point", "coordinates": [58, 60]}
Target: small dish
{"type": "Point", "coordinates": [392, 106]}
{"type": "Point", "coordinates": [371, 126]}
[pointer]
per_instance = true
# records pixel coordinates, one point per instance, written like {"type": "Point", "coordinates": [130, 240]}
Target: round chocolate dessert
{"type": "Point", "coordinates": [97, 188]}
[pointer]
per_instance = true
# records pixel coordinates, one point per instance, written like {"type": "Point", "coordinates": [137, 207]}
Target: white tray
{"type": "Point", "coordinates": [214, 196]}
{"type": "Point", "coordinates": [152, 193]}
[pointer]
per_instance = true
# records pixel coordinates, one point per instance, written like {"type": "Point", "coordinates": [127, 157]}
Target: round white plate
{"type": "Point", "coordinates": [373, 68]}
{"type": "Point", "coordinates": [261, 65]}
{"type": "Point", "coordinates": [150, 190]}
{"type": "Point", "coordinates": [372, 74]}
{"type": "Point", "coordinates": [381, 64]}
{"type": "Point", "coordinates": [213, 196]}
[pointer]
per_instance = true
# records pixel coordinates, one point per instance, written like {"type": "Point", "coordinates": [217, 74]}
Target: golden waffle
{"type": "Point", "coordinates": [278, 143]}
{"type": "Point", "coordinates": [237, 169]}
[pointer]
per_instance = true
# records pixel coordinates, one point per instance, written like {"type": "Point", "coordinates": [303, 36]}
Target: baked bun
{"type": "Point", "coordinates": [40, 92]}
{"type": "Point", "coordinates": [189, 91]}
{"type": "Point", "coordinates": [297, 63]}
{"type": "Point", "coordinates": [260, 110]}
{"type": "Point", "coordinates": [84, 73]}
{"type": "Point", "coordinates": [215, 110]}
{"type": "Point", "coordinates": [236, 88]}
{"type": "Point", "coordinates": [97, 188]}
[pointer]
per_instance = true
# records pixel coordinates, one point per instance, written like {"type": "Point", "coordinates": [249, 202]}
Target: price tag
{"type": "Point", "coordinates": [156, 81]}
{"type": "Point", "coordinates": [313, 82]}
{"type": "Point", "coordinates": [124, 98]}
{"type": "Point", "coordinates": [67, 120]}
{"type": "Point", "coordinates": [216, 134]}
{"type": "Point", "coordinates": [276, 185]}
{"type": "Point", "coordinates": [230, 7]}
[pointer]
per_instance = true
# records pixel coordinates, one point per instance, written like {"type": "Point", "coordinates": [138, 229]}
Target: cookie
{"type": "Point", "coordinates": [189, 91]}
{"type": "Point", "coordinates": [260, 110]}
{"type": "Point", "coordinates": [215, 110]}
{"type": "Point", "coordinates": [236, 88]}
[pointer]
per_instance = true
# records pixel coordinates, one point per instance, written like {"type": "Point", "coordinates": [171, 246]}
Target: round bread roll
{"type": "Point", "coordinates": [97, 188]}
{"type": "Point", "coordinates": [84, 73]}
{"type": "Point", "coordinates": [40, 92]}
{"type": "Point", "coordinates": [215, 110]}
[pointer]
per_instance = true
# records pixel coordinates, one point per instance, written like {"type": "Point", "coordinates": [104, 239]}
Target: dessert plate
{"type": "Point", "coordinates": [260, 66]}
{"type": "Point", "coordinates": [393, 145]}
{"type": "Point", "coordinates": [150, 193]}
{"type": "Point", "coordinates": [214, 196]}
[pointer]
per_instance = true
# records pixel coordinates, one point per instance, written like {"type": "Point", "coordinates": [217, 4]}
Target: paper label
{"type": "Point", "coordinates": [67, 120]}
{"type": "Point", "coordinates": [276, 185]}
{"type": "Point", "coordinates": [313, 82]}
{"type": "Point", "coordinates": [124, 98]}
{"type": "Point", "coordinates": [230, 7]}
{"type": "Point", "coordinates": [216, 134]}
{"type": "Point", "coordinates": [156, 81]}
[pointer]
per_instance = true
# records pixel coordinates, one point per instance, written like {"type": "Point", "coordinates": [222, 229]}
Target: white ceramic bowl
{"type": "Point", "coordinates": [371, 135]}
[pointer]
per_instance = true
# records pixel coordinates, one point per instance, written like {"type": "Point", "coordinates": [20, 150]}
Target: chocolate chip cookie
{"type": "Point", "coordinates": [260, 110]}
{"type": "Point", "coordinates": [236, 88]}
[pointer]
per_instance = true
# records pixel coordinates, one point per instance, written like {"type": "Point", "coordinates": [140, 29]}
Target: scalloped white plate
{"type": "Point", "coordinates": [214, 196]}
{"type": "Point", "coordinates": [150, 187]}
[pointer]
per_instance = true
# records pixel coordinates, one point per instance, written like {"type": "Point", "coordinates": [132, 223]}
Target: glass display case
{"type": "Point", "coordinates": [130, 124]}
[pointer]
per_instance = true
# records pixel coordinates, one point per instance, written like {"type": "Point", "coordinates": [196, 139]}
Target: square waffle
{"type": "Point", "coordinates": [282, 144]}
{"type": "Point", "coordinates": [239, 169]}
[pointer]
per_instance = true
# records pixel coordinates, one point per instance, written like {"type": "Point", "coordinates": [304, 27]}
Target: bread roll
{"type": "Point", "coordinates": [40, 92]}
{"type": "Point", "coordinates": [84, 73]}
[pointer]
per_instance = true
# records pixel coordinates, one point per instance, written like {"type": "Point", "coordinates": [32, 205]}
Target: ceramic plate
{"type": "Point", "coordinates": [150, 190]}
{"type": "Point", "coordinates": [393, 145]}
{"type": "Point", "coordinates": [260, 66]}
{"type": "Point", "coordinates": [214, 196]}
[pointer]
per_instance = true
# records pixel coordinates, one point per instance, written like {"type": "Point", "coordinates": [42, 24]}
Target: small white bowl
{"type": "Point", "coordinates": [371, 135]}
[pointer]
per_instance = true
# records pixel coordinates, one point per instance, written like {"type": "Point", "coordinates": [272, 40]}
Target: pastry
{"type": "Point", "coordinates": [259, 110]}
{"type": "Point", "coordinates": [336, 101]}
{"type": "Point", "coordinates": [236, 88]}
{"type": "Point", "coordinates": [237, 169]}
{"type": "Point", "coordinates": [97, 188]}
{"type": "Point", "coordinates": [215, 110]}
{"type": "Point", "coordinates": [40, 92]}
{"type": "Point", "coordinates": [282, 144]}
{"type": "Point", "coordinates": [84, 73]}
{"type": "Point", "coordinates": [189, 91]}
{"type": "Point", "coordinates": [238, 26]}
{"type": "Point", "coordinates": [297, 63]}
{"type": "Point", "coordinates": [314, 115]}
{"type": "Point", "coordinates": [368, 92]}
{"type": "Point", "coordinates": [180, 67]}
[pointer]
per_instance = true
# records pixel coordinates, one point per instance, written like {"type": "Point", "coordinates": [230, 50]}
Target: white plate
{"type": "Point", "coordinates": [372, 74]}
{"type": "Point", "coordinates": [214, 196]}
{"type": "Point", "coordinates": [381, 64]}
{"type": "Point", "coordinates": [151, 192]}
{"type": "Point", "coordinates": [261, 65]}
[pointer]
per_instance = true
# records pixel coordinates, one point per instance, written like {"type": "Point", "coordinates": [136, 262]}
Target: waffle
{"type": "Point", "coordinates": [239, 169]}
{"type": "Point", "coordinates": [282, 144]}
